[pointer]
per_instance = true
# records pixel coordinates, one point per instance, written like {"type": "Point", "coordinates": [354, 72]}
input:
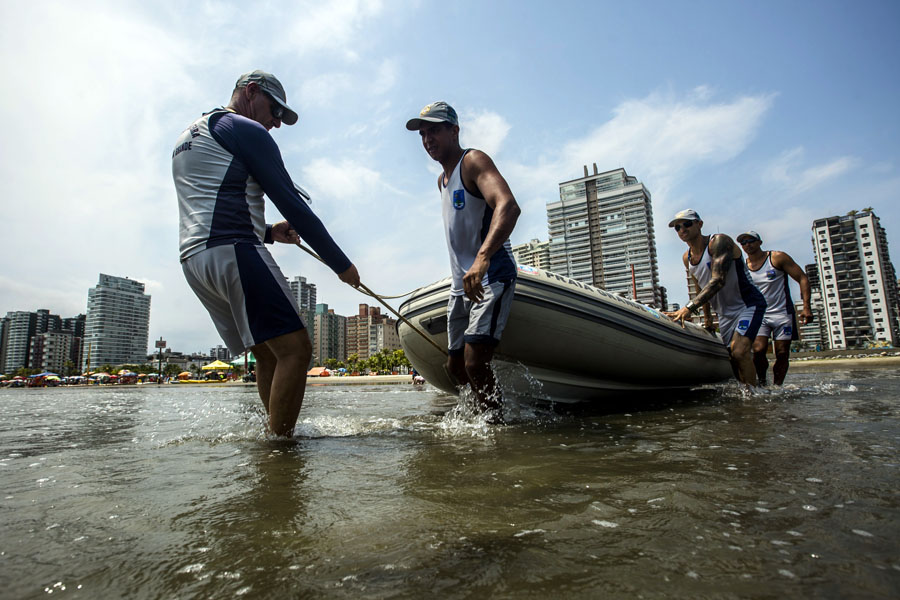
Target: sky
{"type": "Point", "coordinates": [759, 115]}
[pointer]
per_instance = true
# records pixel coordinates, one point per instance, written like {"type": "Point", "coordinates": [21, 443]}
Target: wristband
{"type": "Point", "coordinates": [693, 308]}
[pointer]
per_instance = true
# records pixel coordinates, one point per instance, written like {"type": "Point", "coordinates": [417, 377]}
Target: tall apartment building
{"type": "Point", "coordinates": [857, 280]}
{"type": "Point", "coordinates": [813, 335]}
{"type": "Point", "coordinates": [601, 233]}
{"type": "Point", "coordinates": [304, 293]}
{"type": "Point", "coordinates": [52, 351]}
{"type": "Point", "coordinates": [330, 336]}
{"type": "Point", "coordinates": [534, 254]}
{"type": "Point", "coordinates": [220, 352]}
{"type": "Point", "coordinates": [117, 324]}
{"type": "Point", "coordinates": [18, 329]}
{"type": "Point", "coordinates": [369, 332]}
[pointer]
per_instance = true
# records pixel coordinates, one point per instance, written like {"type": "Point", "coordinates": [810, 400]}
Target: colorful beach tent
{"type": "Point", "coordinates": [239, 360]}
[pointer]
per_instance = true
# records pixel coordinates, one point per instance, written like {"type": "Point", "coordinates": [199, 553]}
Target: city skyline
{"type": "Point", "coordinates": [760, 116]}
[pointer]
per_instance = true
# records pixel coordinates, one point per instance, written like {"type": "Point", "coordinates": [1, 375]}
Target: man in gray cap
{"type": "Point", "coordinates": [480, 213]}
{"type": "Point", "coordinates": [222, 164]}
{"type": "Point", "coordinates": [769, 271]}
{"type": "Point", "coordinates": [714, 262]}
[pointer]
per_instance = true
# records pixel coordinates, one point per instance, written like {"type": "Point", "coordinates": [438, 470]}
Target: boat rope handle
{"type": "Point", "coordinates": [365, 290]}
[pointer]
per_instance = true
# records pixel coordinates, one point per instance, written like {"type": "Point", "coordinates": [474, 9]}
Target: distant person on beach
{"type": "Point", "coordinates": [222, 164]}
{"type": "Point", "coordinates": [480, 213]}
{"type": "Point", "coordinates": [714, 262]}
{"type": "Point", "coordinates": [769, 271]}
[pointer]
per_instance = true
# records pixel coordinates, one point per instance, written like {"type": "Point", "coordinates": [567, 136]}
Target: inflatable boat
{"type": "Point", "coordinates": [579, 342]}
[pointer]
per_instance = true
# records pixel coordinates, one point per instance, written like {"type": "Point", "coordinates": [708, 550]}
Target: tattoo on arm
{"type": "Point", "coordinates": [721, 251]}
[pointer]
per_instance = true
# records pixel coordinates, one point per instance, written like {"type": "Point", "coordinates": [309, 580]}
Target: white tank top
{"type": "Point", "coordinates": [738, 292]}
{"type": "Point", "coordinates": [773, 284]}
{"type": "Point", "coordinates": [467, 219]}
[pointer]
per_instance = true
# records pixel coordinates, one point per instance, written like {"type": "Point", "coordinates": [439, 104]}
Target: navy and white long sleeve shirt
{"type": "Point", "coordinates": [223, 164]}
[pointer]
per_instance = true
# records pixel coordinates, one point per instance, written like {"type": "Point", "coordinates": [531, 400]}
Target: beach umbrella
{"type": "Point", "coordinates": [216, 365]}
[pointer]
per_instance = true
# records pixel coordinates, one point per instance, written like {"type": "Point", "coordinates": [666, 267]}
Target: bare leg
{"type": "Point", "coordinates": [782, 358]}
{"type": "Point", "coordinates": [282, 381]}
{"type": "Point", "coordinates": [265, 370]}
{"type": "Point", "coordinates": [481, 375]}
{"type": "Point", "coordinates": [456, 366]}
{"type": "Point", "coordinates": [760, 347]}
{"type": "Point", "coordinates": [741, 358]}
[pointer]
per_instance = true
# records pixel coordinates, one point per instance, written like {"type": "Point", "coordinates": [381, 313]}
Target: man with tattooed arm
{"type": "Point", "coordinates": [716, 265]}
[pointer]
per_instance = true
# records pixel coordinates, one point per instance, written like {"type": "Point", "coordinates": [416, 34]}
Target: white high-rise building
{"type": "Point", "coordinates": [330, 336]}
{"type": "Point", "coordinates": [601, 233]}
{"type": "Point", "coordinates": [813, 336]}
{"type": "Point", "coordinates": [857, 280]}
{"type": "Point", "coordinates": [304, 293]}
{"type": "Point", "coordinates": [117, 324]}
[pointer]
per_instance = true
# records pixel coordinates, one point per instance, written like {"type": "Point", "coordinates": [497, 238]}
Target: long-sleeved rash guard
{"type": "Point", "coordinates": [222, 165]}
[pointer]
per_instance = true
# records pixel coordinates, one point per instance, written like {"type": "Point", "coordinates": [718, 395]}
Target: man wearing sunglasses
{"type": "Point", "coordinates": [714, 262]}
{"type": "Point", "coordinates": [223, 164]}
{"type": "Point", "coordinates": [769, 271]}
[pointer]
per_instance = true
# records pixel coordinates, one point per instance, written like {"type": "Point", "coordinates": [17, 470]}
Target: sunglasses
{"type": "Point", "coordinates": [747, 242]}
{"type": "Point", "coordinates": [276, 109]}
{"type": "Point", "coordinates": [685, 225]}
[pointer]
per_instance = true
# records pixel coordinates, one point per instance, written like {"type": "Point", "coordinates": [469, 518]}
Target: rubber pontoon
{"type": "Point", "coordinates": [578, 341]}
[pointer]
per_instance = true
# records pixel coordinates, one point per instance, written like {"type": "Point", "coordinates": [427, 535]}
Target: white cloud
{"type": "Point", "coordinates": [787, 173]}
{"type": "Point", "coordinates": [328, 26]}
{"type": "Point", "coordinates": [385, 77]}
{"type": "Point", "coordinates": [321, 90]}
{"type": "Point", "coordinates": [662, 138]}
{"type": "Point", "coordinates": [484, 130]}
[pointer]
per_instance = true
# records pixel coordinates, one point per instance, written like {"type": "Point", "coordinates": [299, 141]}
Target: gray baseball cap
{"type": "Point", "coordinates": [436, 112]}
{"type": "Point", "coordinates": [748, 236]}
{"type": "Point", "coordinates": [688, 214]}
{"type": "Point", "coordinates": [270, 84]}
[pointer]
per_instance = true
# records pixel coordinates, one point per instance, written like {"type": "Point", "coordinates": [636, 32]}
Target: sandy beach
{"type": "Point", "coordinates": [840, 363]}
{"type": "Point", "coordinates": [359, 380]}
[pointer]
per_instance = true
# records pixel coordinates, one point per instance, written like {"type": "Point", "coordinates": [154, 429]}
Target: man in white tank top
{"type": "Point", "coordinates": [714, 262]}
{"type": "Point", "coordinates": [769, 271]}
{"type": "Point", "coordinates": [479, 213]}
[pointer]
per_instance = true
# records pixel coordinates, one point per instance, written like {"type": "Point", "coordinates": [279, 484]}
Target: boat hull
{"type": "Point", "coordinates": [577, 341]}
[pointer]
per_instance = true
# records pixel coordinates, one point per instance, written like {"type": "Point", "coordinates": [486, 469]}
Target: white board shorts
{"type": "Point", "coordinates": [747, 323]}
{"type": "Point", "coordinates": [245, 293]}
{"type": "Point", "coordinates": [779, 327]}
{"type": "Point", "coordinates": [482, 322]}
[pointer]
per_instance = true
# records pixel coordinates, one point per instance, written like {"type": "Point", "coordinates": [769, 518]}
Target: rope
{"type": "Point", "coordinates": [365, 290]}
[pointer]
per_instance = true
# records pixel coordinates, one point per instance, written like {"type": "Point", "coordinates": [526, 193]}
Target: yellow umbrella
{"type": "Point", "coordinates": [216, 365]}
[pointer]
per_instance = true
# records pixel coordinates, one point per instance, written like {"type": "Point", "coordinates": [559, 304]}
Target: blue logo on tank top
{"type": "Point", "coordinates": [770, 274]}
{"type": "Point", "coordinates": [459, 199]}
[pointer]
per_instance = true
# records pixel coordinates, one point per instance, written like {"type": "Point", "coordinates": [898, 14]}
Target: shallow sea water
{"type": "Point", "coordinates": [389, 492]}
